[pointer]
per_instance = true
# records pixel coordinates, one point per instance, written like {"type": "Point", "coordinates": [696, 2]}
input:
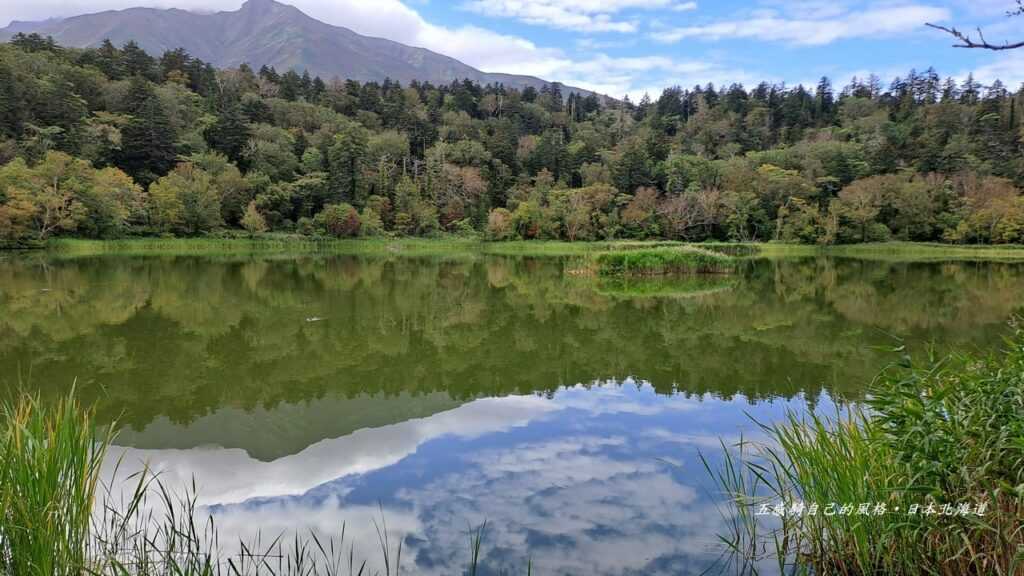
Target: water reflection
{"type": "Point", "coordinates": [448, 391]}
{"type": "Point", "coordinates": [590, 480]}
{"type": "Point", "coordinates": [181, 338]}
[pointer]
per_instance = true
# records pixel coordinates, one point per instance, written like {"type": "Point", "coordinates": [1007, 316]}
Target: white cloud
{"type": "Point", "coordinates": [635, 76]}
{"type": "Point", "coordinates": [811, 30]}
{"type": "Point", "coordinates": [1008, 67]}
{"type": "Point", "coordinates": [391, 19]}
{"type": "Point", "coordinates": [580, 16]}
{"type": "Point", "coordinates": [482, 48]}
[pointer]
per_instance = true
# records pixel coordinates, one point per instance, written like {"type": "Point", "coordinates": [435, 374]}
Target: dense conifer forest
{"type": "Point", "coordinates": [113, 142]}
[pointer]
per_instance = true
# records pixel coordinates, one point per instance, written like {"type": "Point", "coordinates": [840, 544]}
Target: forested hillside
{"type": "Point", "coordinates": [112, 142]}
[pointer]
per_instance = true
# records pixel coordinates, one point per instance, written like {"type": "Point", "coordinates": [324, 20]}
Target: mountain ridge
{"type": "Point", "coordinates": [267, 32]}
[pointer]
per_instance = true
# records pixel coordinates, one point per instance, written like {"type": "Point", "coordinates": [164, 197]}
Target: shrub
{"type": "Point", "coordinates": [663, 261]}
{"type": "Point", "coordinates": [253, 221]}
{"type": "Point", "coordinates": [499, 224]}
{"type": "Point", "coordinates": [339, 220]}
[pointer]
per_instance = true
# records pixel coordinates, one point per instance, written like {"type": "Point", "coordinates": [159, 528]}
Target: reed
{"type": "Point", "coordinates": [58, 519]}
{"type": "Point", "coordinates": [930, 439]}
{"type": "Point", "coordinates": [49, 467]}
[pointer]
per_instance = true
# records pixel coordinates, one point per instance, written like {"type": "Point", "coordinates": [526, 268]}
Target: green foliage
{"type": "Point", "coordinates": [347, 157]}
{"type": "Point", "coordinates": [663, 261]}
{"type": "Point", "coordinates": [50, 459]}
{"type": "Point", "coordinates": [147, 141]}
{"type": "Point", "coordinates": [253, 221]}
{"type": "Point", "coordinates": [64, 195]}
{"type": "Point", "coordinates": [943, 434]}
{"type": "Point", "coordinates": [339, 220]}
{"type": "Point", "coordinates": [924, 160]}
{"type": "Point", "coordinates": [185, 201]}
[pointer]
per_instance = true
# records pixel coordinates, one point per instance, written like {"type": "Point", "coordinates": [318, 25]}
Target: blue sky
{"type": "Point", "coordinates": [634, 46]}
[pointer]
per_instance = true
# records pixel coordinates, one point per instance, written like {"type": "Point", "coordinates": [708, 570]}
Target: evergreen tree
{"type": "Point", "coordinates": [147, 149]}
{"type": "Point", "coordinates": [291, 86]}
{"type": "Point", "coordinates": [229, 134]}
{"type": "Point", "coordinates": [346, 161]}
{"type": "Point", "coordinates": [137, 62]}
{"type": "Point", "coordinates": [11, 106]}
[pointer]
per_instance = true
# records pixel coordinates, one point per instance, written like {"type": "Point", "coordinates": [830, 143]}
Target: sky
{"type": "Point", "coordinates": [632, 47]}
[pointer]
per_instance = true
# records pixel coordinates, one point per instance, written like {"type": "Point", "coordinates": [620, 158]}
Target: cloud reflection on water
{"type": "Point", "coordinates": [601, 479]}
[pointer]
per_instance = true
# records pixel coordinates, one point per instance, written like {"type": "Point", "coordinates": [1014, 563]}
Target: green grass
{"type": "Point", "coordinates": [49, 467]}
{"type": "Point", "coordinates": [900, 251]}
{"type": "Point", "coordinates": [661, 261]}
{"type": "Point", "coordinates": [454, 245]}
{"type": "Point", "coordinates": [950, 432]}
{"type": "Point", "coordinates": [282, 244]}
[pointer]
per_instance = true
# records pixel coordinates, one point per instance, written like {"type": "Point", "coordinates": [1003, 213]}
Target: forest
{"type": "Point", "coordinates": [114, 142]}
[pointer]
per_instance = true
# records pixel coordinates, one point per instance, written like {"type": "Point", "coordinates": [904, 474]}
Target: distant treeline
{"type": "Point", "coordinates": [112, 142]}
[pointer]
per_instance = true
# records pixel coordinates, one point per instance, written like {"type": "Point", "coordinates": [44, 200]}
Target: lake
{"type": "Point", "coordinates": [567, 411]}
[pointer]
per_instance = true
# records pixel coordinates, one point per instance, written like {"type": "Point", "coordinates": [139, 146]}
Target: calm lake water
{"type": "Point", "coordinates": [568, 412]}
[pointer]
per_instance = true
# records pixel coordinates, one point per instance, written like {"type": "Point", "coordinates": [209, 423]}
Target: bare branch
{"type": "Point", "coordinates": [967, 42]}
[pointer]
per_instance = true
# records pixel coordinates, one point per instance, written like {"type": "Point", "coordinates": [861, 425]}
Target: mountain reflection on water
{"type": "Point", "coordinates": [567, 411]}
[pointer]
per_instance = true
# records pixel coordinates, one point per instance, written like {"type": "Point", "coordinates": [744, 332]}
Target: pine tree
{"type": "Point", "coordinates": [147, 142]}
{"type": "Point", "coordinates": [137, 62]}
{"type": "Point", "coordinates": [824, 102]}
{"type": "Point", "coordinates": [229, 134]}
{"type": "Point", "coordinates": [108, 60]}
{"type": "Point", "coordinates": [291, 86]}
{"type": "Point", "coordinates": [11, 108]}
{"type": "Point", "coordinates": [346, 160]}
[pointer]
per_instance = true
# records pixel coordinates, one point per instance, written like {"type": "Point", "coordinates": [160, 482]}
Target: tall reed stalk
{"type": "Point", "coordinates": [58, 519]}
{"type": "Point", "coordinates": [936, 456]}
{"type": "Point", "coordinates": [49, 468]}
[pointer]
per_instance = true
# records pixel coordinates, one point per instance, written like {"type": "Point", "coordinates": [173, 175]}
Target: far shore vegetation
{"type": "Point", "coordinates": [111, 142]}
{"type": "Point", "coordinates": [284, 244]}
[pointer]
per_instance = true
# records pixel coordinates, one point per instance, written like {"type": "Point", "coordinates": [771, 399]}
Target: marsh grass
{"type": "Point", "coordinates": [49, 468]}
{"type": "Point", "coordinates": [661, 261]}
{"type": "Point", "coordinates": [899, 251]}
{"type": "Point", "coordinates": [950, 432]}
{"type": "Point", "coordinates": [290, 244]}
{"type": "Point", "coordinates": [58, 519]}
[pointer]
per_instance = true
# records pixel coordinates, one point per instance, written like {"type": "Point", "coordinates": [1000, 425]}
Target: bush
{"type": "Point", "coordinates": [339, 220]}
{"type": "Point", "coordinates": [371, 224]}
{"type": "Point", "coordinates": [499, 224]}
{"type": "Point", "coordinates": [253, 221]}
{"type": "Point", "coordinates": [663, 261]}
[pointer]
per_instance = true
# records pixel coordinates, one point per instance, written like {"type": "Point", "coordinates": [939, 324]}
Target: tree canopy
{"type": "Point", "coordinates": [109, 142]}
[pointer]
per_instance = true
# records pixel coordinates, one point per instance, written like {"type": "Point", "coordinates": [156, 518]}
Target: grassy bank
{"type": "Point", "coordinates": [909, 251]}
{"type": "Point", "coordinates": [300, 245]}
{"type": "Point", "coordinates": [936, 458]}
{"type": "Point", "coordinates": [453, 245]}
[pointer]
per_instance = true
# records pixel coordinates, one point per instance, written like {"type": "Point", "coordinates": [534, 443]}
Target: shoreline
{"type": "Point", "coordinates": [454, 246]}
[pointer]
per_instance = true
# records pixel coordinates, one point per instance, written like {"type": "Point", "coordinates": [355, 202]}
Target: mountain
{"type": "Point", "coordinates": [267, 32]}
